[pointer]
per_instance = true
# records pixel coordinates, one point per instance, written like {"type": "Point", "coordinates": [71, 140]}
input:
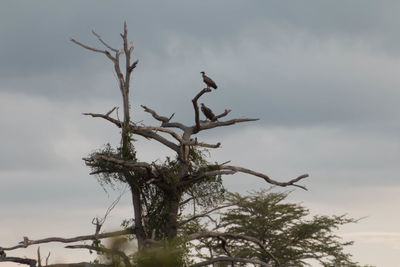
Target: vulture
{"type": "Point", "coordinates": [207, 80]}
{"type": "Point", "coordinates": [208, 112]}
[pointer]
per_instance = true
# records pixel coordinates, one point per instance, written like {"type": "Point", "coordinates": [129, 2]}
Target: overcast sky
{"type": "Point", "coordinates": [323, 77]}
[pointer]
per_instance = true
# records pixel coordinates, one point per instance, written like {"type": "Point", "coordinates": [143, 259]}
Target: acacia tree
{"type": "Point", "coordinates": [263, 227]}
{"type": "Point", "coordinates": [160, 190]}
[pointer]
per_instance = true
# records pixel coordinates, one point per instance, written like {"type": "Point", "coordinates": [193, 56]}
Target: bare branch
{"type": "Point", "coordinates": [228, 169]}
{"type": "Point", "coordinates": [196, 107]}
{"type": "Point", "coordinates": [128, 50]}
{"type": "Point", "coordinates": [204, 125]}
{"type": "Point", "coordinates": [266, 178]}
{"type": "Point", "coordinates": [69, 240]}
{"type": "Point", "coordinates": [229, 259]}
{"type": "Point", "coordinates": [142, 131]}
{"type": "Point", "coordinates": [155, 115]}
{"type": "Point", "coordinates": [30, 262]}
{"type": "Point", "coordinates": [99, 222]}
{"type": "Point", "coordinates": [102, 41]}
{"type": "Point", "coordinates": [165, 122]}
{"type": "Point", "coordinates": [105, 52]}
{"type": "Point", "coordinates": [47, 259]}
{"type": "Point", "coordinates": [161, 129]}
{"type": "Point", "coordinates": [108, 113]}
{"type": "Point", "coordinates": [118, 123]}
{"type": "Point", "coordinates": [39, 260]}
{"type": "Point", "coordinates": [152, 135]}
{"type": "Point", "coordinates": [226, 112]}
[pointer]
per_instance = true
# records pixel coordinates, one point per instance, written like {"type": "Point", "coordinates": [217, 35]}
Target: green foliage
{"type": "Point", "coordinates": [207, 192]}
{"type": "Point", "coordinates": [287, 231]}
{"type": "Point", "coordinates": [156, 204]}
{"type": "Point", "coordinates": [108, 174]}
{"type": "Point", "coordinates": [169, 254]}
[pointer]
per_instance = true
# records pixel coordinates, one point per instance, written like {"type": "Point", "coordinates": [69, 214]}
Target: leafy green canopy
{"type": "Point", "coordinates": [263, 227]}
{"type": "Point", "coordinates": [287, 231]}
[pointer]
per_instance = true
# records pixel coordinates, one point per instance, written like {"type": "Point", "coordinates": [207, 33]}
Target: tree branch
{"type": "Point", "coordinates": [102, 41]}
{"type": "Point", "coordinates": [161, 129]}
{"type": "Point", "coordinates": [105, 52]}
{"type": "Point", "coordinates": [265, 177]}
{"type": "Point", "coordinates": [155, 115]}
{"type": "Point", "coordinates": [106, 116]}
{"type": "Point", "coordinates": [165, 122]}
{"type": "Point", "coordinates": [226, 112]}
{"type": "Point", "coordinates": [145, 131]}
{"type": "Point", "coordinates": [205, 125]}
{"type": "Point", "coordinates": [152, 135]}
{"type": "Point", "coordinates": [196, 107]}
{"type": "Point", "coordinates": [229, 259]}
{"type": "Point", "coordinates": [128, 49]}
{"type": "Point", "coordinates": [28, 242]}
{"type": "Point", "coordinates": [30, 262]}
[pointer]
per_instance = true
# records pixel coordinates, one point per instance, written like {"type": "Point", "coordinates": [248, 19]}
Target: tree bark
{"type": "Point", "coordinates": [137, 208]}
{"type": "Point", "coordinates": [172, 201]}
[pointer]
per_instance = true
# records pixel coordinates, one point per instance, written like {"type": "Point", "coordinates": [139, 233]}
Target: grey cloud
{"type": "Point", "coordinates": [36, 41]}
{"type": "Point", "coordinates": [276, 61]}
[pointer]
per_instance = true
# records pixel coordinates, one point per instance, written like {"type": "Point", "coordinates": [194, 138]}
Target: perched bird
{"type": "Point", "coordinates": [207, 80]}
{"type": "Point", "coordinates": [208, 112]}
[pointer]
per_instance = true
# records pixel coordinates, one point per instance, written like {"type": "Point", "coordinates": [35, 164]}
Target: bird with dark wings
{"type": "Point", "coordinates": [207, 80]}
{"type": "Point", "coordinates": [208, 112]}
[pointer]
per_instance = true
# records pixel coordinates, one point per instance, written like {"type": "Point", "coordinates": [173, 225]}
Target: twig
{"type": "Point", "coordinates": [105, 52]}
{"type": "Point", "coordinates": [155, 115]}
{"type": "Point", "coordinates": [118, 123]}
{"type": "Point", "coordinates": [47, 259]}
{"type": "Point", "coordinates": [102, 41]}
{"type": "Point", "coordinates": [226, 112]}
{"type": "Point", "coordinates": [39, 260]}
{"type": "Point", "coordinates": [108, 113]}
